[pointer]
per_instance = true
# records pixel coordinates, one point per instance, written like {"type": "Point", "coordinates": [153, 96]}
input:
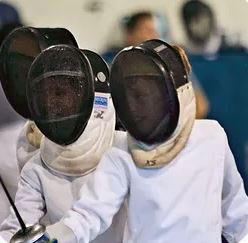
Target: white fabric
{"type": "Point", "coordinates": [244, 240]}
{"type": "Point", "coordinates": [65, 231]}
{"type": "Point", "coordinates": [2, 240]}
{"type": "Point", "coordinates": [8, 164]}
{"type": "Point", "coordinates": [193, 199]}
{"type": "Point", "coordinates": [83, 156]}
{"type": "Point", "coordinates": [41, 192]}
{"type": "Point", "coordinates": [24, 150]}
{"type": "Point", "coordinates": [158, 155]}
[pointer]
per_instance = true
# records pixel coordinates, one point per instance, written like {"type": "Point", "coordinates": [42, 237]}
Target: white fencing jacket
{"type": "Point", "coordinates": [44, 196]}
{"type": "Point", "coordinates": [193, 199]}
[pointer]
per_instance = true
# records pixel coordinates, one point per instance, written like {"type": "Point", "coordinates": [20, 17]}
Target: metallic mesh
{"type": "Point", "coordinates": [17, 54]}
{"type": "Point", "coordinates": [60, 93]}
{"type": "Point", "coordinates": [143, 95]}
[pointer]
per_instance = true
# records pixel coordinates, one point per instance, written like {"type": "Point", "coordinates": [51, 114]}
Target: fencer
{"type": "Point", "coordinates": [60, 97]}
{"type": "Point", "coordinates": [18, 50]}
{"type": "Point", "coordinates": [178, 174]}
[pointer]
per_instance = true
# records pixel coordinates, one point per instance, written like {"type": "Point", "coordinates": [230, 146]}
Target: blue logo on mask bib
{"type": "Point", "coordinates": [101, 102]}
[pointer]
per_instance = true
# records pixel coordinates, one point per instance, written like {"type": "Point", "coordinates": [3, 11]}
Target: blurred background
{"type": "Point", "coordinates": [214, 34]}
{"type": "Point", "coordinates": [94, 22]}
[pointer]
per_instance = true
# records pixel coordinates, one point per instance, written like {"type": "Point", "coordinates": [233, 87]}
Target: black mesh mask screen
{"type": "Point", "coordinates": [17, 54]}
{"type": "Point", "coordinates": [61, 93]}
{"type": "Point", "coordinates": [144, 96]}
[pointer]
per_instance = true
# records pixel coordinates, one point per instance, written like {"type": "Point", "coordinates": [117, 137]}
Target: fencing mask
{"type": "Point", "coordinates": [81, 154]}
{"type": "Point", "coordinates": [154, 100]}
{"type": "Point", "coordinates": [60, 93]}
{"type": "Point", "coordinates": [17, 53]}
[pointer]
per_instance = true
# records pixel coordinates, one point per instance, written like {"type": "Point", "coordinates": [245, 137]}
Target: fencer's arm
{"type": "Point", "coordinates": [101, 198]}
{"type": "Point", "coordinates": [234, 202]}
{"type": "Point", "coordinates": [29, 202]}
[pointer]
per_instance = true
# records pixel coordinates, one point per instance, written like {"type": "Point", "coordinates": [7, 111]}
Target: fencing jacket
{"type": "Point", "coordinates": [43, 193]}
{"type": "Point", "coordinates": [195, 198]}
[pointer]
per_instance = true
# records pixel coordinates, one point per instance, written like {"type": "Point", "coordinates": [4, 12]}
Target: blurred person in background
{"type": "Point", "coordinates": [10, 122]}
{"type": "Point", "coordinates": [203, 34]}
{"type": "Point", "coordinates": [137, 27]}
{"type": "Point", "coordinates": [222, 70]}
{"type": "Point", "coordinates": [200, 26]}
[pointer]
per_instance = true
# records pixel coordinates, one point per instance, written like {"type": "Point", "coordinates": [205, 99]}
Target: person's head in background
{"type": "Point", "coordinates": [199, 21]}
{"type": "Point", "coordinates": [139, 27]}
{"type": "Point", "coordinates": [203, 32]}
